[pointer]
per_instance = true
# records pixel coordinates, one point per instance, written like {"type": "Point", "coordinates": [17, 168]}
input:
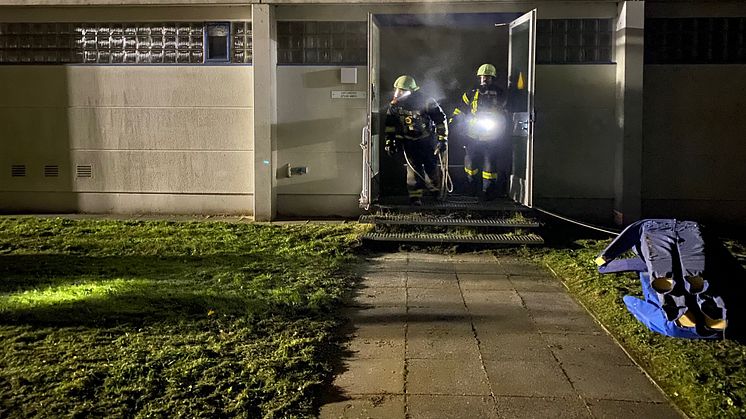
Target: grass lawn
{"type": "Point", "coordinates": [706, 379]}
{"type": "Point", "coordinates": [166, 319]}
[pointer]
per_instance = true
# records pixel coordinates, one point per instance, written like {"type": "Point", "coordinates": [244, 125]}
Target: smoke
{"type": "Point", "coordinates": [441, 53]}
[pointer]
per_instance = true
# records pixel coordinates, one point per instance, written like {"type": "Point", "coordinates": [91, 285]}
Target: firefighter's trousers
{"type": "Point", "coordinates": [424, 164]}
{"type": "Point", "coordinates": [481, 161]}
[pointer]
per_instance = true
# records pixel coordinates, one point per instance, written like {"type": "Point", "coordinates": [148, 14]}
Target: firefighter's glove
{"type": "Point", "coordinates": [392, 146]}
{"type": "Point", "coordinates": [441, 146]}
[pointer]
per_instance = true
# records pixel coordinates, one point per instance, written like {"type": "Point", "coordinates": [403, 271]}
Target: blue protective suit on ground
{"type": "Point", "coordinates": [671, 264]}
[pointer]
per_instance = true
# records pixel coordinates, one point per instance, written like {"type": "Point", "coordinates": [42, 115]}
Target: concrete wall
{"type": "Point", "coordinates": [574, 140]}
{"type": "Point", "coordinates": [693, 149]}
{"type": "Point", "coordinates": [159, 138]}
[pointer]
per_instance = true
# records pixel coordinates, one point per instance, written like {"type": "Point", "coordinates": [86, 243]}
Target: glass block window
{"type": "Point", "coordinates": [322, 43]}
{"type": "Point", "coordinates": [574, 41]}
{"type": "Point", "coordinates": [242, 50]}
{"type": "Point", "coordinates": [109, 43]}
{"type": "Point", "coordinates": [695, 40]}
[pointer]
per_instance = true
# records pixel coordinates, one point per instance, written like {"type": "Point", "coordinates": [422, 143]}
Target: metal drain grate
{"type": "Point", "coordinates": [411, 219]}
{"type": "Point", "coordinates": [515, 239]}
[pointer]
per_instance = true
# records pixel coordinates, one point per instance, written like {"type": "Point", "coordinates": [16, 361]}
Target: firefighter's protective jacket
{"type": "Point", "coordinates": [481, 103]}
{"type": "Point", "coordinates": [414, 118]}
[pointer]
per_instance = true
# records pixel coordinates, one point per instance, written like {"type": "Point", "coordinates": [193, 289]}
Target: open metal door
{"type": "Point", "coordinates": [371, 132]}
{"type": "Point", "coordinates": [521, 76]}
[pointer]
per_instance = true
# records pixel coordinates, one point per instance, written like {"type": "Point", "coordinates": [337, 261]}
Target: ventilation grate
{"type": "Point", "coordinates": [51, 170]}
{"type": "Point", "coordinates": [84, 171]}
{"type": "Point", "coordinates": [18, 170]}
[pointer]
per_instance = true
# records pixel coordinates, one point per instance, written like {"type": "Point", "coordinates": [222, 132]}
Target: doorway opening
{"type": "Point", "coordinates": [443, 52]}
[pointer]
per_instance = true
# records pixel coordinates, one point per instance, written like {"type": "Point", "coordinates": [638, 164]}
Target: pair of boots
{"type": "Point", "coordinates": [482, 190]}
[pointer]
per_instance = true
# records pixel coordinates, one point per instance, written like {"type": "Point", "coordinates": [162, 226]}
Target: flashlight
{"type": "Point", "coordinates": [487, 124]}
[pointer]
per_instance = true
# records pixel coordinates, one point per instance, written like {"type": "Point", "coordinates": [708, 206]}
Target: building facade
{"type": "Point", "coordinates": [219, 107]}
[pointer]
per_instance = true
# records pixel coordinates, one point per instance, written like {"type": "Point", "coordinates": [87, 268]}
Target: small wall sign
{"type": "Point", "coordinates": [348, 94]}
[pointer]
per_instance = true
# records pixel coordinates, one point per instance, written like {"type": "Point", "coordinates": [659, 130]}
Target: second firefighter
{"type": "Point", "coordinates": [417, 125]}
{"type": "Point", "coordinates": [482, 119]}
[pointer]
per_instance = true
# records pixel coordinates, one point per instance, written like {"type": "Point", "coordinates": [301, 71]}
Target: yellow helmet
{"type": "Point", "coordinates": [487, 70]}
{"type": "Point", "coordinates": [406, 83]}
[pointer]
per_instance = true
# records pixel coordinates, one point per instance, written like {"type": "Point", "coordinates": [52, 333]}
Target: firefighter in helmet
{"type": "Point", "coordinates": [482, 119]}
{"type": "Point", "coordinates": [417, 125]}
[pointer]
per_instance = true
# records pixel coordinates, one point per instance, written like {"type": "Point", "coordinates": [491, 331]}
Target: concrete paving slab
{"type": "Point", "coordinates": [502, 320]}
{"type": "Point", "coordinates": [514, 347]}
{"type": "Point", "coordinates": [446, 281]}
{"type": "Point", "coordinates": [528, 378]}
{"type": "Point", "coordinates": [478, 257]}
{"type": "Point", "coordinates": [446, 376]}
{"type": "Point", "coordinates": [376, 315]}
{"type": "Point", "coordinates": [384, 265]}
{"type": "Point", "coordinates": [442, 341]}
{"type": "Point", "coordinates": [577, 323]}
{"type": "Point", "coordinates": [423, 266]}
{"type": "Point", "coordinates": [591, 350]}
{"type": "Point", "coordinates": [615, 409]}
{"type": "Point", "coordinates": [541, 408]}
{"type": "Point", "coordinates": [453, 314]}
{"type": "Point", "coordinates": [476, 267]}
{"type": "Point", "coordinates": [613, 382]}
{"type": "Point", "coordinates": [378, 406]}
{"type": "Point", "coordinates": [371, 376]}
{"type": "Point", "coordinates": [536, 284]}
{"type": "Point", "coordinates": [427, 257]}
{"type": "Point", "coordinates": [380, 297]}
{"type": "Point", "coordinates": [521, 268]}
{"type": "Point", "coordinates": [377, 341]}
{"type": "Point", "coordinates": [551, 302]}
{"type": "Point", "coordinates": [485, 281]}
{"type": "Point", "coordinates": [431, 407]}
{"type": "Point", "coordinates": [434, 297]}
{"type": "Point", "coordinates": [383, 279]}
{"type": "Point", "coordinates": [489, 300]}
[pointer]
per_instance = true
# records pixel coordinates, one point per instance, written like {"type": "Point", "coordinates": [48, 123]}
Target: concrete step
{"type": "Point", "coordinates": [455, 203]}
{"type": "Point", "coordinates": [447, 238]}
{"type": "Point", "coordinates": [435, 220]}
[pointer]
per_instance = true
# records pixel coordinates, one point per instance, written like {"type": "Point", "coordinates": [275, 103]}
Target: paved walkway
{"type": "Point", "coordinates": [469, 336]}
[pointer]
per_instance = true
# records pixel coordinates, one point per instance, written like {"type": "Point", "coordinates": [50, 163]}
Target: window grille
{"type": "Point", "coordinates": [573, 41]}
{"type": "Point", "coordinates": [321, 42]}
{"type": "Point", "coordinates": [695, 40]}
{"type": "Point", "coordinates": [115, 43]}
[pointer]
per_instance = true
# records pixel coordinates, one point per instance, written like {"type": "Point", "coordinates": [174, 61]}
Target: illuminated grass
{"type": "Point", "coordinates": [65, 294]}
{"type": "Point", "coordinates": [139, 319]}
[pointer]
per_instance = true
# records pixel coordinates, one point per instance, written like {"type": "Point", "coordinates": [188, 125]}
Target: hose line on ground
{"type": "Point", "coordinates": [570, 220]}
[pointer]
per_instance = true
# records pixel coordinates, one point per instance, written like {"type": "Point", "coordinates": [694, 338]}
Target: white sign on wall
{"type": "Point", "coordinates": [348, 94]}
